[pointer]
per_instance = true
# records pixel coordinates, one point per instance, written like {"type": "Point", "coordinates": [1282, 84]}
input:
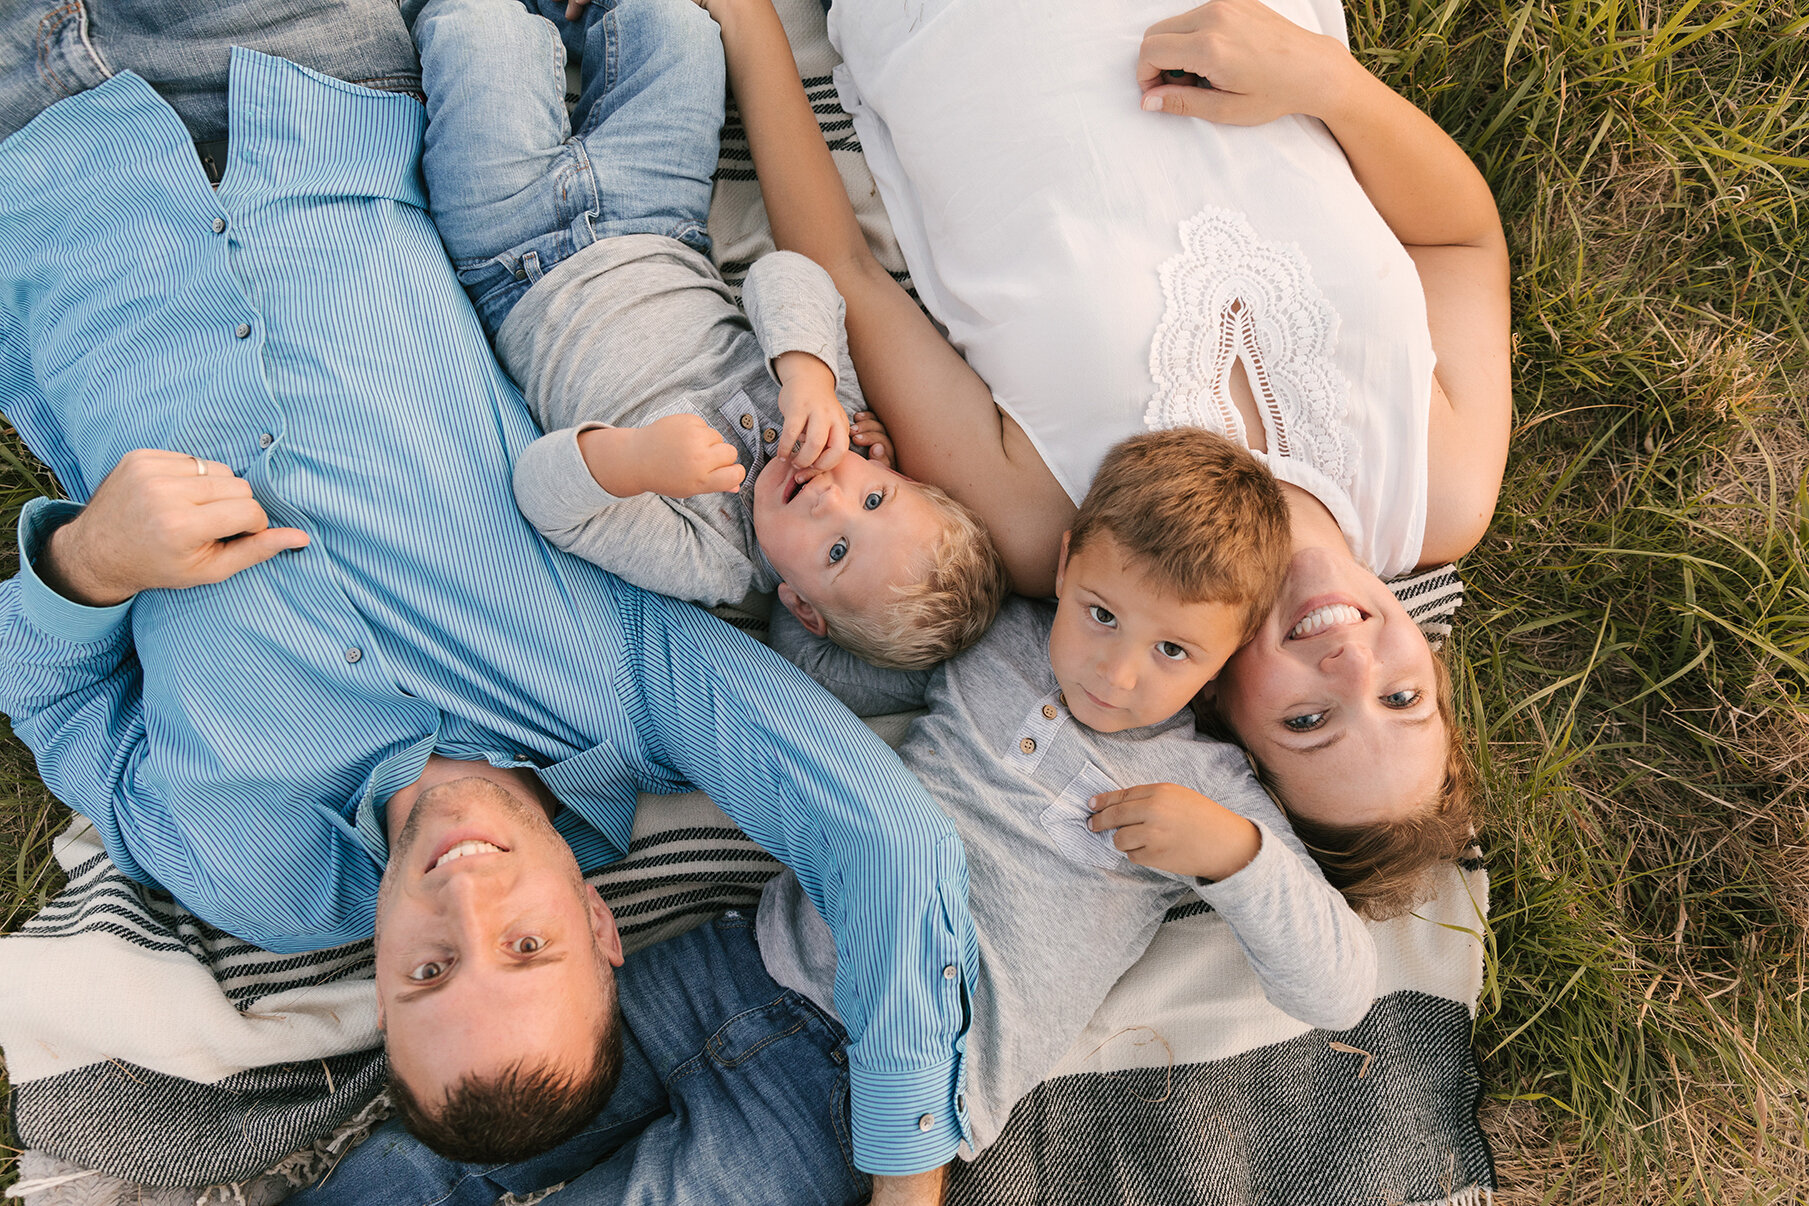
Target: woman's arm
{"type": "Point", "coordinates": [945, 428]}
{"type": "Point", "coordinates": [1262, 66]}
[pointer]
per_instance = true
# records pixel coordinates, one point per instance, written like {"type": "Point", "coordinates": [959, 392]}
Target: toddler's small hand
{"type": "Point", "coordinates": [682, 455]}
{"type": "Point", "coordinates": [869, 433]}
{"type": "Point", "coordinates": [815, 435]}
{"type": "Point", "coordinates": [1176, 829]}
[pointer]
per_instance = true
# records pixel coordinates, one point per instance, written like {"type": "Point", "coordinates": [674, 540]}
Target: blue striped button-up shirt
{"type": "Point", "coordinates": [235, 743]}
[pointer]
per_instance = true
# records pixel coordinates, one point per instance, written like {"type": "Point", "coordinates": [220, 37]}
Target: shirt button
{"type": "Point", "coordinates": [265, 440]}
{"type": "Point", "coordinates": [949, 972]}
{"type": "Point", "coordinates": [1048, 711]}
{"type": "Point", "coordinates": [926, 1122]}
{"type": "Point", "coordinates": [769, 435]}
{"type": "Point", "coordinates": [244, 330]}
{"type": "Point", "coordinates": [747, 422]}
{"type": "Point", "coordinates": [354, 654]}
{"type": "Point", "coordinates": [1028, 745]}
{"type": "Point", "coordinates": [219, 225]}
{"type": "Point", "coordinates": [1062, 698]}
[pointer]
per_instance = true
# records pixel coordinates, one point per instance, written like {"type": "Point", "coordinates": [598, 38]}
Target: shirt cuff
{"type": "Point", "coordinates": [553, 484]}
{"type": "Point", "coordinates": [1253, 879]}
{"type": "Point", "coordinates": [905, 1122]}
{"type": "Point", "coordinates": [45, 609]}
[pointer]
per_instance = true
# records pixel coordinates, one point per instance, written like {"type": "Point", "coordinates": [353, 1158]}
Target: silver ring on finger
{"type": "Point", "coordinates": [200, 466]}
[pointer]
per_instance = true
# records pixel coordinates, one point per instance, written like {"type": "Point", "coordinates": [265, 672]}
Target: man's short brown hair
{"type": "Point", "coordinates": [520, 1112]}
{"type": "Point", "coordinates": [1195, 512]}
{"type": "Point", "coordinates": [944, 610]}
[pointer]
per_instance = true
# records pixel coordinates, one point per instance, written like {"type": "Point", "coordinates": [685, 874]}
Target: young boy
{"type": "Point", "coordinates": [691, 450]}
{"type": "Point", "coordinates": [1062, 747]}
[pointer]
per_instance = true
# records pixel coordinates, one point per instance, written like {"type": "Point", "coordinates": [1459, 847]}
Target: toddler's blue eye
{"type": "Point", "coordinates": [1171, 651]}
{"type": "Point", "coordinates": [1401, 699]}
{"type": "Point", "coordinates": [1305, 723]}
{"type": "Point", "coordinates": [837, 551]}
{"type": "Point", "coordinates": [1102, 616]}
{"type": "Point", "coordinates": [874, 499]}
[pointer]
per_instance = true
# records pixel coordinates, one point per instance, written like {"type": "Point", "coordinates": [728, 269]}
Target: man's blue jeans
{"type": "Point", "coordinates": [513, 187]}
{"type": "Point", "coordinates": [733, 1090]}
{"type": "Point", "coordinates": [50, 49]}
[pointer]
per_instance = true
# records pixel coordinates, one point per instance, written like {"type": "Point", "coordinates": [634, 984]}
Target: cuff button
{"type": "Point", "coordinates": [926, 1122]}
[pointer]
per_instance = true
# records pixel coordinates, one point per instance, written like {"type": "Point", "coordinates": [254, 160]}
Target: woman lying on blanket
{"type": "Point", "coordinates": [1223, 221]}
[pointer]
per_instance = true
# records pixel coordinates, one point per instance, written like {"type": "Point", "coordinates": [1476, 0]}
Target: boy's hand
{"type": "Point", "coordinates": [677, 456]}
{"type": "Point", "coordinates": [869, 433]}
{"type": "Point", "coordinates": [816, 427]}
{"type": "Point", "coordinates": [1176, 829]}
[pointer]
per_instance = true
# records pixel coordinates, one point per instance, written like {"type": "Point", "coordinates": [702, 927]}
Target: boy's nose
{"type": "Point", "coordinates": [1117, 670]}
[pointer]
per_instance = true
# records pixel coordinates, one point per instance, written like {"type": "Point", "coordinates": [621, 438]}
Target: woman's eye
{"type": "Point", "coordinates": [1171, 651]}
{"type": "Point", "coordinates": [837, 551]}
{"type": "Point", "coordinates": [874, 499]}
{"type": "Point", "coordinates": [1304, 723]}
{"type": "Point", "coordinates": [1401, 699]}
{"type": "Point", "coordinates": [527, 944]}
{"type": "Point", "coordinates": [1102, 616]}
{"type": "Point", "coordinates": [427, 972]}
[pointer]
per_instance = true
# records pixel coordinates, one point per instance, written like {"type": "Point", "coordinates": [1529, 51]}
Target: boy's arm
{"type": "Point", "coordinates": [1314, 956]}
{"type": "Point", "coordinates": [945, 425]}
{"type": "Point", "coordinates": [796, 314]}
{"type": "Point", "coordinates": [646, 539]}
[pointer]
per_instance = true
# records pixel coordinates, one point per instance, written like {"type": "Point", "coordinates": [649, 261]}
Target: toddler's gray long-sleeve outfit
{"type": "Point", "coordinates": [1060, 912]}
{"type": "Point", "coordinates": [636, 328]}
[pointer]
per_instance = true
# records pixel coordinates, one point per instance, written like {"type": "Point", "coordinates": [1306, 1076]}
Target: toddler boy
{"type": "Point", "coordinates": [692, 450]}
{"type": "Point", "coordinates": [1063, 749]}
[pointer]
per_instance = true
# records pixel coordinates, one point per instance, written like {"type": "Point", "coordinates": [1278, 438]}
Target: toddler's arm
{"type": "Point", "coordinates": [797, 314]}
{"type": "Point", "coordinates": [643, 538]}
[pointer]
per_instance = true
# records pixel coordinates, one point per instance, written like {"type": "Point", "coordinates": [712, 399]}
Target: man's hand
{"type": "Point", "coordinates": [1239, 62]}
{"type": "Point", "coordinates": [869, 433]}
{"type": "Point", "coordinates": [919, 1189]}
{"type": "Point", "coordinates": [677, 456]}
{"type": "Point", "coordinates": [1176, 829]}
{"type": "Point", "coordinates": [816, 427]}
{"type": "Point", "coordinates": [158, 522]}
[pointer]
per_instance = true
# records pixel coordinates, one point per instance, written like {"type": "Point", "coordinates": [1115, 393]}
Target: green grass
{"type": "Point", "coordinates": [1635, 653]}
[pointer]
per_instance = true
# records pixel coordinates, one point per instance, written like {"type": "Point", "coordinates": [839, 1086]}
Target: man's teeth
{"type": "Point", "coordinates": [1322, 618]}
{"type": "Point", "coordinates": [464, 848]}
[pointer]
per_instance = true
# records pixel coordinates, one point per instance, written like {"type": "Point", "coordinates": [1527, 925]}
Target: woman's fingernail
{"type": "Point", "coordinates": [1152, 103]}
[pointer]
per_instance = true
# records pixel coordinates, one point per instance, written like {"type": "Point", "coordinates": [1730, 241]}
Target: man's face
{"type": "Point", "coordinates": [840, 538]}
{"type": "Point", "coordinates": [1126, 652]}
{"type": "Point", "coordinates": [491, 949]}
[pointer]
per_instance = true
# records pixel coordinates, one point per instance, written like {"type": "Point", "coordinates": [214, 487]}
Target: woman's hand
{"type": "Point", "coordinates": [869, 433]}
{"type": "Point", "coordinates": [1252, 65]}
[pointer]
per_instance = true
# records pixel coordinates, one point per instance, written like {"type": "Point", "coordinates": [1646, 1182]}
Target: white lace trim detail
{"type": "Point", "coordinates": [1230, 295]}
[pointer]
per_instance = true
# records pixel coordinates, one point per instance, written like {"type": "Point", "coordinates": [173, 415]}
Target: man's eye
{"type": "Point", "coordinates": [837, 551]}
{"type": "Point", "coordinates": [1171, 651]}
{"type": "Point", "coordinates": [527, 944]}
{"type": "Point", "coordinates": [1102, 616]}
{"type": "Point", "coordinates": [1401, 699]}
{"type": "Point", "coordinates": [874, 499]}
{"type": "Point", "coordinates": [1304, 723]}
{"type": "Point", "coordinates": [428, 972]}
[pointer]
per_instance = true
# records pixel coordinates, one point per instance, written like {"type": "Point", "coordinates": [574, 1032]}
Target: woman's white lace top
{"type": "Point", "coordinates": [1103, 268]}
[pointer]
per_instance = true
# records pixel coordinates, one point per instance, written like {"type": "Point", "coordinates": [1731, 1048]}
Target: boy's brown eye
{"type": "Point", "coordinates": [1171, 651]}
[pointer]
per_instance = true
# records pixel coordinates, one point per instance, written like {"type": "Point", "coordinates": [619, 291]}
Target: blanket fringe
{"type": "Point", "coordinates": [24, 1189]}
{"type": "Point", "coordinates": [1475, 1195]}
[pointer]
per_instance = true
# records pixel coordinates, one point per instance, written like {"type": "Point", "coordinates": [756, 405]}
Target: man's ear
{"type": "Point", "coordinates": [807, 615]}
{"type": "Point", "coordinates": [1061, 564]}
{"type": "Point", "coordinates": [603, 927]}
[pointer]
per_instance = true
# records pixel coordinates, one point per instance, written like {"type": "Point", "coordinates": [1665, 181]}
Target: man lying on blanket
{"type": "Point", "coordinates": [299, 630]}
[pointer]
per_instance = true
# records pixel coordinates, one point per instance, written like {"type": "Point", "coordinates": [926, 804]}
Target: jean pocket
{"type": "Point", "coordinates": [67, 60]}
{"type": "Point", "coordinates": [750, 1032]}
{"type": "Point", "coordinates": [494, 289]}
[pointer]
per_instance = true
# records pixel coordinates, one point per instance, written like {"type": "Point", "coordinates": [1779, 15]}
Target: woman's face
{"type": "Point", "coordinates": [1336, 696]}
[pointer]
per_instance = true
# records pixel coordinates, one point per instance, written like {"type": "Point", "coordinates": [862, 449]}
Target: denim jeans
{"type": "Point", "coordinates": [733, 1090]}
{"type": "Point", "coordinates": [514, 189]}
{"type": "Point", "coordinates": [50, 49]}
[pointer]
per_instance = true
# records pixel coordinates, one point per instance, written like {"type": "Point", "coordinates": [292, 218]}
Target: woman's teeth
{"type": "Point", "coordinates": [464, 848]}
{"type": "Point", "coordinates": [1322, 618]}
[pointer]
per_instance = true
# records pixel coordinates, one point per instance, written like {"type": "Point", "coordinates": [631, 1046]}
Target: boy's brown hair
{"type": "Point", "coordinates": [1197, 513]}
{"type": "Point", "coordinates": [944, 610]}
